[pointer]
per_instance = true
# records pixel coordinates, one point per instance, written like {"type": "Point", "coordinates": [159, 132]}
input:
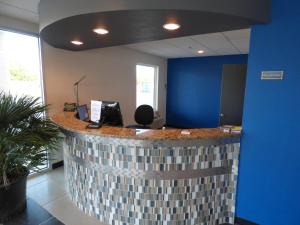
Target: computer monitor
{"type": "Point", "coordinates": [82, 113]}
{"type": "Point", "coordinates": [111, 113]}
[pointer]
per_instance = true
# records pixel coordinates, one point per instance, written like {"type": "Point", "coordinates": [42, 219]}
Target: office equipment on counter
{"type": "Point", "coordinates": [111, 113]}
{"type": "Point", "coordinates": [82, 113]}
{"type": "Point", "coordinates": [185, 132]}
{"type": "Point", "coordinates": [158, 121]}
{"type": "Point", "coordinates": [69, 107]}
{"type": "Point", "coordinates": [231, 129]}
{"type": "Point", "coordinates": [96, 109]}
{"type": "Point", "coordinates": [237, 130]}
{"type": "Point", "coordinates": [105, 112]}
{"type": "Point", "coordinates": [96, 120]}
{"type": "Point", "coordinates": [93, 125]}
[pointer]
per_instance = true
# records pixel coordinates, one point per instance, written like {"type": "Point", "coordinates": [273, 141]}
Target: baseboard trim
{"type": "Point", "coordinates": [57, 165]}
{"type": "Point", "coordinates": [241, 221]}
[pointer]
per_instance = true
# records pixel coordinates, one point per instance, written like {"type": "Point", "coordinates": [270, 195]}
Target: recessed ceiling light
{"type": "Point", "coordinates": [200, 51]}
{"type": "Point", "coordinates": [171, 26]}
{"type": "Point", "coordinates": [77, 42]}
{"type": "Point", "coordinates": [101, 31]}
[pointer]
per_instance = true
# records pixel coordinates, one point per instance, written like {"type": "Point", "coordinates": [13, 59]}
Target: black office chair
{"type": "Point", "coordinates": [144, 116]}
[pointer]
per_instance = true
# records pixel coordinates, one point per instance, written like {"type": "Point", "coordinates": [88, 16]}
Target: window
{"type": "Point", "coordinates": [146, 85]}
{"type": "Point", "coordinates": [20, 66]}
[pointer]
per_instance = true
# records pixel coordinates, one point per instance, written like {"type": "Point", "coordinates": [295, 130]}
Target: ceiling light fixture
{"type": "Point", "coordinates": [200, 51]}
{"type": "Point", "coordinates": [171, 26]}
{"type": "Point", "coordinates": [101, 31]}
{"type": "Point", "coordinates": [77, 42]}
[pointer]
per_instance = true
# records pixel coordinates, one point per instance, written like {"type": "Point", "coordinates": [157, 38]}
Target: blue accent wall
{"type": "Point", "coordinates": [269, 178]}
{"type": "Point", "coordinates": [194, 90]}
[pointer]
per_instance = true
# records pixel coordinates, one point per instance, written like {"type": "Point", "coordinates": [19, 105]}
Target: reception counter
{"type": "Point", "coordinates": [125, 176]}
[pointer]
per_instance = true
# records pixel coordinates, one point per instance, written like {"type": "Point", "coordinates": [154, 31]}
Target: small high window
{"type": "Point", "coordinates": [146, 85]}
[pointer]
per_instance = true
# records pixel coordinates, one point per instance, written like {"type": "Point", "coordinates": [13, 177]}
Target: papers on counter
{"type": "Point", "coordinates": [231, 129]}
{"type": "Point", "coordinates": [96, 107]}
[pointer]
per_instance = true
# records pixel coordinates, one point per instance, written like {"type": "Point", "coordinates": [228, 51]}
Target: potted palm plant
{"type": "Point", "coordinates": [26, 135]}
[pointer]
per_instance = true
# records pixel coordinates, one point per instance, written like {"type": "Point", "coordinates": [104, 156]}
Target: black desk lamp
{"type": "Point", "coordinates": [76, 84]}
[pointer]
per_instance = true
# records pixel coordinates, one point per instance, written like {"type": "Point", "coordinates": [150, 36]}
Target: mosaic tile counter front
{"type": "Point", "coordinates": [155, 178]}
{"type": "Point", "coordinates": [127, 181]}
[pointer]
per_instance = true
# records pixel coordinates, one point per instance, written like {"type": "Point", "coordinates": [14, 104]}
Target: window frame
{"type": "Point", "coordinates": [42, 80]}
{"type": "Point", "coordinates": [156, 82]}
{"type": "Point", "coordinates": [35, 35]}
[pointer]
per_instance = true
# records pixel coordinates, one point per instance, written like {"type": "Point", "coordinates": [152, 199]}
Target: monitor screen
{"type": "Point", "coordinates": [111, 113]}
{"type": "Point", "coordinates": [83, 113]}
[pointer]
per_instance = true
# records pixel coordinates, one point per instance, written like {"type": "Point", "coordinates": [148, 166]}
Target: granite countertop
{"type": "Point", "coordinates": [67, 121]}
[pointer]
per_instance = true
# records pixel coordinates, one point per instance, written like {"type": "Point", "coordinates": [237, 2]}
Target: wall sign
{"type": "Point", "coordinates": [272, 75]}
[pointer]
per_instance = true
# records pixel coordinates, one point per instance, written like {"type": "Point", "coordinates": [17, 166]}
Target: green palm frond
{"type": "Point", "coordinates": [25, 133]}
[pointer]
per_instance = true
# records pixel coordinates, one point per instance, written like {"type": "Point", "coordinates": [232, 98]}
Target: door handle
{"type": "Point", "coordinates": [221, 114]}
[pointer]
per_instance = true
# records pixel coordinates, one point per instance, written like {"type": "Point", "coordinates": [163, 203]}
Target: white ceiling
{"type": "Point", "coordinates": [225, 43]}
{"type": "Point", "coordinates": [26, 10]}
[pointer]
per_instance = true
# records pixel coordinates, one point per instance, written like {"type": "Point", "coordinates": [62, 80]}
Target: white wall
{"type": "Point", "coordinates": [110, 76]}
{"type": "Point", "coordinates": [9, 23]}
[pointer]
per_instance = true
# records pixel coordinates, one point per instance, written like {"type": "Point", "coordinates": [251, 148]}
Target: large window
{"type": "Point", "coordinates": [146, 85]}
{"type": "Point", "coordinates": [20, 67]}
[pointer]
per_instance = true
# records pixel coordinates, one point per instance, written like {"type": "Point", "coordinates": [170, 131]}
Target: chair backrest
{"type": "Point", "coordinates": [144, 115]}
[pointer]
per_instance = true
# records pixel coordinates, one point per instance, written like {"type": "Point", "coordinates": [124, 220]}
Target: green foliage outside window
{"type": "Point", "coordinates": [19, 73]}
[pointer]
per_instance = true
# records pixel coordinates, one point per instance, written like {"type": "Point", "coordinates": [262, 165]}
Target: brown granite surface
{"type": "Point", "coordinates": [67, 121]}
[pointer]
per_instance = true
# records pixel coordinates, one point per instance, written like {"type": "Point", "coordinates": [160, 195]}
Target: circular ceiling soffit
{"type": "Point", "coordinates": [132, 21]}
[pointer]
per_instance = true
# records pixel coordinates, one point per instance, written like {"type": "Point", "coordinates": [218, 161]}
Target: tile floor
{"type": "Point", "coordinates": [33, 215]}
{"type": "Point", "coordinates": [48, 190]}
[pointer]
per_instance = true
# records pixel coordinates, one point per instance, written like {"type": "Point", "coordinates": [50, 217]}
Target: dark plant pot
{"type": "Point", "coordinates": [13, 198]}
